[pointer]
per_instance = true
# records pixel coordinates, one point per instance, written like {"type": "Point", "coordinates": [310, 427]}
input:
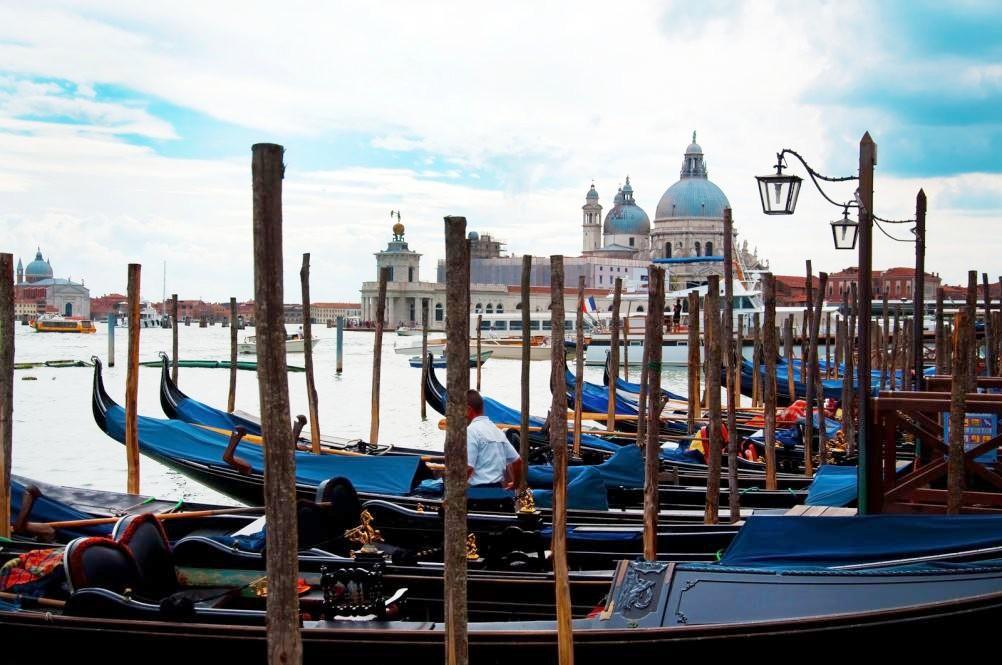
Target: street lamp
{"type": "Point", "coordinates": [779, 192]}
{"type": "Point", "coordinates": [845, 232]}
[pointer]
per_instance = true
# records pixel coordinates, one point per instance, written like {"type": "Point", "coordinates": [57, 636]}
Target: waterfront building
{"type": "Point", "coordinates": [322, 312]}
{"type": "Point", "coordinates": [39, 292]}
{"type": "Point", "coordinates": [898, 283]}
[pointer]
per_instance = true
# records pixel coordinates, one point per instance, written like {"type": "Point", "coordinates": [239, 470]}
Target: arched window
{"type": "Point", "coordinates": [667, 250]}
{"type": "Point", "coordinates": [518, 306]}
{"type": "Point", "coordinates": [69, 309]}
{"type": "Point", "coordinates": [490, 308]}
{"type": "Point", "coordinates": [499, 309]}
{"type": "Point", "coordinates": [709, 249]}
{"type": "Point", "coordinates": [697, 248]}
{"type": "Point", "coordinates": [439, 312]}
{"type": "Point", "coordinates": [640, 308]}
{"type": "Point", "coordinates": [478, 308]}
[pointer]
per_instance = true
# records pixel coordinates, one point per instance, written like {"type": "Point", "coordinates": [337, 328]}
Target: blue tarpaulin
{"type": "Point", "coordinates": [49, 510]}
{"type": "Point", "coordinates": [391, 474]}
{"type": "Point", "coordinates": [586, 491]}
{"type": "Point", "coordinates": [833, 486]}
{"type": "Point", "coordinates": [624, 469]}
{"type": "Point", "coordinates": [197, 413]}
{"type": "Point", "coordinates": [803, 542]}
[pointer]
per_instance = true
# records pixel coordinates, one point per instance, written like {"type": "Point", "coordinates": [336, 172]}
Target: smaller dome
{"type": "Point", "coordinates": [398, 229]}
{"type": "Point", "coordinates": [473, 235]}
{"type": "Point", "coordinates": [627, 188]}
{"type": "Point", "coordinates": [592, 195]}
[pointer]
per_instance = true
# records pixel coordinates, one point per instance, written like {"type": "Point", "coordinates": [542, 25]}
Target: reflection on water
{"type": "Point", "coordinates": [57, 441]}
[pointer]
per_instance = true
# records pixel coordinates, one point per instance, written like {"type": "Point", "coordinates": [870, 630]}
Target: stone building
{"type": "Point", "coordinates": [35, 285]}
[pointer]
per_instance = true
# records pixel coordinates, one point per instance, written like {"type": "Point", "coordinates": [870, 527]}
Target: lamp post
{"type": "Point", "coordinates": [779, 194]}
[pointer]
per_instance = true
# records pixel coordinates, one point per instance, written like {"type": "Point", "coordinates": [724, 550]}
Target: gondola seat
{"type": "Point", "coordinates": [145, 537]}
{"type": "Point", "coordinates": [100, 562]}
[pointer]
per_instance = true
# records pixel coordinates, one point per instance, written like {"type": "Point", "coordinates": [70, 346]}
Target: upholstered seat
{"type": "Point", "coordinates": [101, 563]}
{"type": "Point", "coordinates": [146, 539]}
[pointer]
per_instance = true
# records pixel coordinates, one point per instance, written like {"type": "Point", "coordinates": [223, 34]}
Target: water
{"type": "Point", "coordinates": [57, 441]}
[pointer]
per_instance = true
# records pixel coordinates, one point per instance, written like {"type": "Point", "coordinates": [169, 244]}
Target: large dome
{"type": "Point", "coordinates": [626, 217]}
{"type": "Point", "coordinates": [38, 269]}
{"type": "Point", "coordinates": [693, 195]}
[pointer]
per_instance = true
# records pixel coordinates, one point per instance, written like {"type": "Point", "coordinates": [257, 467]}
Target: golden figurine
{"type": "Point", "coordinates": [365, 534]}
{"type": "Point", "coordinates": [471, 548]}
{"type": "Point", "coordinates": [524, 501]}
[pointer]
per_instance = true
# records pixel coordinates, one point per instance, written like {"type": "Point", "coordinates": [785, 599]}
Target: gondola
{"type": "Point", "coordinates": [611, 492]}
{"type": "Point", "coordinates": [915, 576]}
{"type": "Point", "coordinates": [179, 406]}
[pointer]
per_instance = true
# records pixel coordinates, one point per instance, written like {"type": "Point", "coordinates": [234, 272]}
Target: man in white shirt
{"type": "Point", "coordinates": [491, 459]}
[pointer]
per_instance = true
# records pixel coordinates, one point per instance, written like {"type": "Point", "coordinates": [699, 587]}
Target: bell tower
{"type": "Point", "coordinates": [591, 222]}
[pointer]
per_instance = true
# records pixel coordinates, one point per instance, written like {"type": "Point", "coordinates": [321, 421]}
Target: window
{"type": "Point", "coordinates": [439, 312]}
{"type": "Point", "coordinates": [641, 308]}
{"type": "Point", "coordinates": [500, 325]}
{"type": "Point", "coordinates": [547, 324]}
{"type": "Point", "coordinates": [600, 279]}
{"type": "Point", "coordinates": [490, 308]}
{"type": "Point", "coordinates": [697, 248]}
{"type": "Point", "coordinates": [709, 249]}
{"type": "Point", "coordinates": [485, 325]}
{"type": "Point", "coordinates": [479, 308]}
{"type": "Point", "coordinates": [632, 239]}
{"type": "Point", "coordinates": [533, 325]}
{"type": "Point", "coordinates": [499, 309]}
{"type": "Point", "coordinates": [667, 250]}
{"type": "Point", "coordinates": [518, 305]}
{"type": "Point", "coordinates": [515, 324]}
{"type": "Point", "coordinates": [410, 274]}
{"type": "Point", "coordinates": [69, 309]}
{"type": "Point", "coordinates": [389, 278]}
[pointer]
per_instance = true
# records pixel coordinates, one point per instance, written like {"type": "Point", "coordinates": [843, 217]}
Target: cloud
{"type": "Point", "coordinates": [127, 127]}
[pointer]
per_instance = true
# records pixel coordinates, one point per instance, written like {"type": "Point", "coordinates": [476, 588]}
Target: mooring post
{"type": "Point", "coordinates": [232, 398]}
{"type": "Point", "coordinates": [610, 423]}
{"type": "Point", "coordinates": [626, 343]}
{"type": "Point", "coordinates": [693, 413]}
{"type": "Point", "coordinates": [480, 323]}
{"type": "Point", "coordinates": [112, 322]}
{"type": "Point", "coordinates": [791, 384]}
{"type": "Point", "coordinates": [769, 351]}
{"type": "Point", "coordinates": [711, 352]}
{"type": "Point", "coordinates": [6, 387]}
{"type": "Point", "coordinates": [730, 363]}
{"type": "Point", "coordinates": [523, 427]}
{"type": "Point", "coordinates": [132, 383]}
{"type": "Point", "coordinates": [989, 336]}
{"type": "Point", "coordinates": [972, 315]}
{"type": "Point", "coordinates": [962, 340]}
{"type": "Point", "coordinates": [457, 350]}
{"type": "Point", "coordinates": [885, 335]}
{"type": "Point", "coordinates": [558, 444]}
{"type": "Point", "coordinates": [653, 339]}
{"type": "Point", "coordinates": [578, 368]}
{"type": "Point", "coordinates": [339, 343]}
{"type": "Point", "coordinates": [815, 370]}
{"type": "Point", "coordinates": [918, 298]}
{"type": "Point", "coordinates": [807, 361]}
{"type": "Point", "coordinates": [284, 640]}
{"type": "Point", "coordinates": [424, 357]}
{"type": "Point", "coordinates": [757, 360]}
{"type": "Point", "coordinates": [377, 354]}
{"type": "Point", "coordinates": [311, 384]}
{"type": "Point", "coordinates": [173, 334]}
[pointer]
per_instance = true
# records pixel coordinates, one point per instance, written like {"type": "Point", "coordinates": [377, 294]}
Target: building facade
{"type": "Point", "coordinates": [38, 292]}
{"type": "Point", "coordinates": [898, 283]}
{"type": "Point", "coordinates": [324, 312]}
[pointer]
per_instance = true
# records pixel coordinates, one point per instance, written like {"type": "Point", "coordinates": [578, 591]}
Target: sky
{"type": "Point", "coordinates": [126, 128]}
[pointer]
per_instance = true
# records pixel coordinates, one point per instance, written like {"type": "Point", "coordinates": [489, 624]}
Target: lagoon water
{"type": "Point", "coordinates": [57, 441]}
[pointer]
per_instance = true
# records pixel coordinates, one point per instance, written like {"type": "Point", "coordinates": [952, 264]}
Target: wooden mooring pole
{"type": "Point", "coordinates": [610, 422]}
{"type": "Point", "coordinates": [377, 354]}
{"type": "Point", "coordinates": [424, 357]}
{"type": "Point", "coordinates": [808, 361]}
{"type": "Point", "coordinates": [284, 640]}
{"type": "Point", "coordinates": [480, 323]}
{"type": "Point", "coordinates": [112, 322]}
{"type": "Point", "coordinates": [311, 383]}
{"type": "Point", "coordinates": [578, 368]}
{"type": "Point", "coordinates": [6, 387]}
{"type": "Point", "coordinates": [693, 364]}
{"type": "Point", "coordinates": [132, 382]}
{"type": "Point", "coordinates": [232, 396]}
{"type": "Point", "coordinates": [972, 346]}
{"type": "Point", "coordinates": [711, 353]}
{"type": "Point", "coordinates": [791, 384]}
{"type": "Point", "coordinates": [173, 334]}
{"type": "Point", "coordinates": [558, 444]}
{"type": "Point", "coordinates": [731, 363]}
{"type": "Point", "coordinates": [819, 299]}
{"type": "Point", "coordinates": [523, 427]}
{"type": "Point", "coordinates": [457, 351]}
{"type": "Point", "coordinates": [769, 351]}
{"type": "Point", "coordinates": [962, 340]}
{"type": "Point", "coordinates": [653, 337]}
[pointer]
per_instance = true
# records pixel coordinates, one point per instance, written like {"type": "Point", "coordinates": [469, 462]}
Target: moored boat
{"type": "Point", "coordinates": [294, 343]}
{"type": "Point", "coordinates": [54, 323]}
{"type": "Point", "coordinates": [439, 361]}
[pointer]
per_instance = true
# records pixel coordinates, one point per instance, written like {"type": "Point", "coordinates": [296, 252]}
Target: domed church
{"type": "Point", "coordinates": [688, 222]}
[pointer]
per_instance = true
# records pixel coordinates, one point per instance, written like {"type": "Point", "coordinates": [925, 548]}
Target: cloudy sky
{"type": "Point", "coordinates": [125, 128]}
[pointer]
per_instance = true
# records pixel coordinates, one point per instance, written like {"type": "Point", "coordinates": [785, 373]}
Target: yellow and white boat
{"type": "Point", "coordinates": [58, 324]}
